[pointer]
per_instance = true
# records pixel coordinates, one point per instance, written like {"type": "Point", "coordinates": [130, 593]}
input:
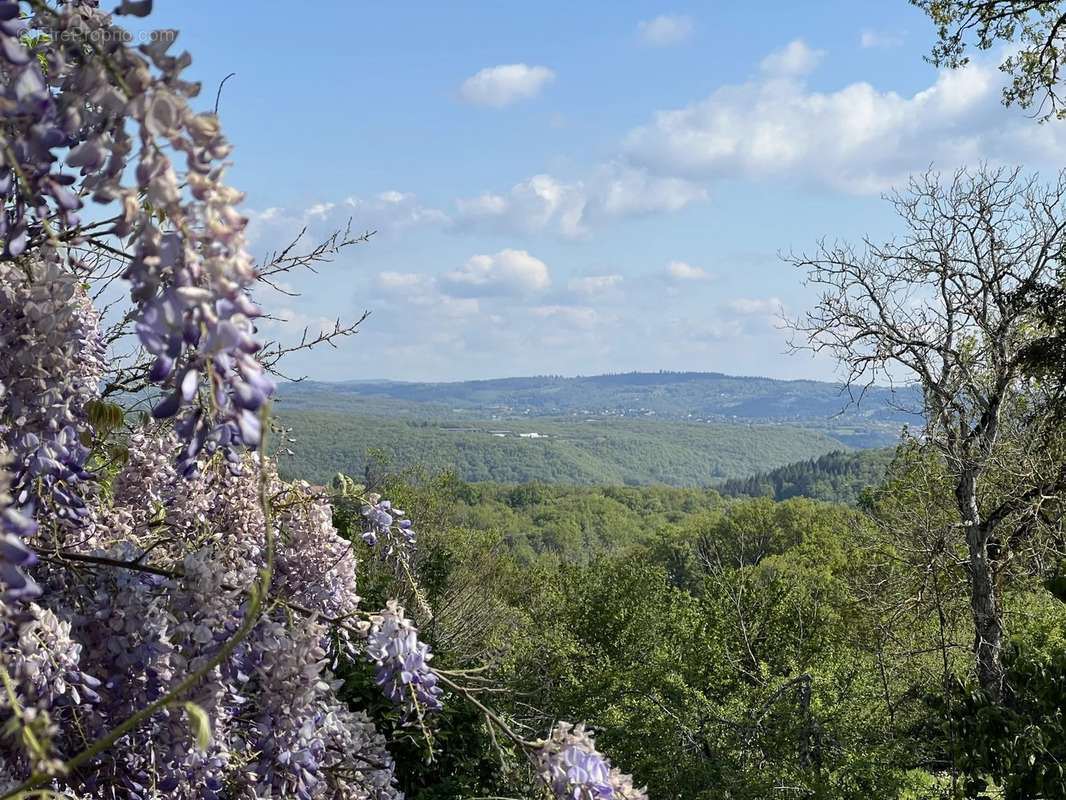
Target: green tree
{"type": "Point", "coordinates": [1035, 28]}
{"type": "Point", "coordinates": [1021, 746]}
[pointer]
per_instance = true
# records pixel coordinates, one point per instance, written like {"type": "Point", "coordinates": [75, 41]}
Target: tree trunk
{"type": "Point", "coordinates": [987, 614]}
{"type": "Point", "coordinates": [984, 595]}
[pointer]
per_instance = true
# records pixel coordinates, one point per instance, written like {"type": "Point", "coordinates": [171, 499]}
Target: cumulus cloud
{"type": "Point", "coordinates": [756, 315]}
{"type": "Point", "coordinates": [795, 58]}
{"type": "Point", "coordinates": [679, 271]}
{"type": "Point", "coordinates": [624, 191]}
{"type": "Point", "coordinates": [320, 210]}
{"type": "Point", "coordinates": [857, 138]}
{"type": "Point", "coordinates": [539, 203]}
{"type": "Point", "coordinates": [455, 307]}
{"type": "Point", "coordinates": [387, 213]}
{"type": "Point", "coordinates": [547, 203]}
{"type": "Point", "coordinates": [420, 289]}
{"type": "Point", "coordinates": [399, 281]}
{"type": "Point", "coordinates": [392, 211]}
{"type": "Point", "coordinates": [503, 85]}
{"type": "Point", "coordinates": [508, 272]}
{"type": "Point", "coordinates": [288, 324]}
{"type": "Point", "coordinates": [703, 331]}
{"type": "Point", "coordinates": [665, 30]}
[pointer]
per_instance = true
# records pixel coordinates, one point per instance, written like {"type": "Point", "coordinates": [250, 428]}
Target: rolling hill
{"type": "Point", "coordinates": [546, 449]}
{"type": "Point", "coordinates": [706, 397]}
{"type": "Point", "coordinates": [680, 429]}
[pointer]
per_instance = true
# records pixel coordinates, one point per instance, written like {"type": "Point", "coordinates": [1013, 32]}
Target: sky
{"type": "Point", "coordinates": [577, 188]}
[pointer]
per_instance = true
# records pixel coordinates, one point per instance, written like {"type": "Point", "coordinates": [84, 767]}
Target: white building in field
{"type": "Point", "coordinates": [533, 435]}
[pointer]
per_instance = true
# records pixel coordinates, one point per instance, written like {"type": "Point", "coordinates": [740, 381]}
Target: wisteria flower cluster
{"type": "Point", "coordinates": [51, 359]}
{"type": "Point", "coordinates": [107, 639]}
{"type": "Point", "coordinates": [324, 575]}
{"type": "Point", "coordinates": [278, 728]}
{"type": "Point", "coordinates": [15, 556]}
{"type": "Point", "coordinates": [81, 88]}
{"type": "Point", "coordinates": [574, 770]}
{"type": "Point", "coordinates": [387, 524]}
{"type": "Point", "coordinates": [402, 661]}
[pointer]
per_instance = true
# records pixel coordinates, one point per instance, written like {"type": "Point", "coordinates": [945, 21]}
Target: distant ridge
{"type": "Point", "coordinates": [689, 396]}
{"type": "Point", "coordinates": [636, 375]}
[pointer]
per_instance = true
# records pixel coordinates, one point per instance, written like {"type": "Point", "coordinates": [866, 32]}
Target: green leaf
{"type": "Point", "coordinates": [103, 416]}
{"type": "Point", "coordinates": [200, 724]}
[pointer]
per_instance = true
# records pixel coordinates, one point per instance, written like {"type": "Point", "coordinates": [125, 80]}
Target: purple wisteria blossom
{"type": "Point", "coordinates": [48, 327]}
{"type": "Point", "coordinates": [84, 90]}
{"type": "Point", "coordinates": [573, 769]}
{"type": "Point", "coordinates": [15, 556]}
{"type": "Point", "coordinates": [403, 670]}
{"type": "Point", "coordinates": [387, 524]}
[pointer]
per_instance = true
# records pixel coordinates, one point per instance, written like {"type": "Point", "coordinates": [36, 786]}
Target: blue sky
{"type": "Point", "coordinates": [574, 188]}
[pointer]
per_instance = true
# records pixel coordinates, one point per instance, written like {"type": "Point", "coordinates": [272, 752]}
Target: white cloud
{"type": "Point", "coordinates": [795, 58]}
{"type": "Point", "coordinates": [456, 307]}
{"type": "Point", "coordinates": [290, 324]}
{"type": "Point", "coordinates": [756, 315]}
{"type": "Point", "coordinates": [399, 281]}
{"type": "Point", "coordinates": [508, 272]}
{"type": "Point", "coordinates": [419, 289]}
{"type": "Point", "coordinates": [392, 211]}
{"type": "Point", "coordinates": [682, 271]}
{"type": "Point", "coordinates": [701, 331]}
{"type": "Point", "coordinates": [505, 84]}
{"type": "Point", "coordinates": [857, 139]}
{"type": "Point", "coordinates": [320, 210]}
{"type": "Point", "coordinates": [884, 39]}
{"type": "Point", "coordinates": [594, 285]}
{"type": "Point", "coordinates": [485, 205]}
{"type": "Point", "coordinates": [665, 30]}
{"type": "Point", "coordinates": [265, 215]}
{"type": "Point", "coordinates": [546, 203]}
{"type": "Point", "coordinates": [387, 213]}
{"type": "Point", "coordinates": [533, 205]}
{"type": "Point", "coordinates": [625, 191]}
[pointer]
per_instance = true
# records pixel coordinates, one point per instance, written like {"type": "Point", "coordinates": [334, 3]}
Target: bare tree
{"type": "Point", "coordinates": [950, 305]}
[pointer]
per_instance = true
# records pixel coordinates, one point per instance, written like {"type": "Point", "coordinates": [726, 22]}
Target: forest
{"type": "Point", "coordinates": [726, 647]}
{"type": "Point", "coordinates": [218, 581]}
{"type": "Point", "coordinates": [840, 477]}
{"type": "Point", "coordinates": [590, 451]}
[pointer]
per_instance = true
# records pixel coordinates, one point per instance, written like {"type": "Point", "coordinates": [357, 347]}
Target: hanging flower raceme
{"type": "Point", "coordinates": [84, 88]}
{"type": "Point", "coordinates": [45, 662]}
{"type": "Point", "coordinates": [386, 523]}
{"type": "Point", "coordinates": [403, 670]}
{"type": "Point", "coordinates": [15, 556]}
{"type": "Point", "coordinates": [316, 566]}
{"type": "Point", "coordinates": [51, 361]}
{"type": "Point", "coordinates": [573, 769]}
